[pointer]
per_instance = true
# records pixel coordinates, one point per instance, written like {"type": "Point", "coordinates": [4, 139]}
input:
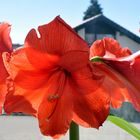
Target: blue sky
{"type": "Point", "coordinates": [27, 14]}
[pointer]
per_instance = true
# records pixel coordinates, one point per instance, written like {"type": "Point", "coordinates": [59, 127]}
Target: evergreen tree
{"type": "Point", "coordinates": [93, 10]}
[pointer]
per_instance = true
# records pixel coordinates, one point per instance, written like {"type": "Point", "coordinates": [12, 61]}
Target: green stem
{"type": "Point", "coordinates": [74, 131]}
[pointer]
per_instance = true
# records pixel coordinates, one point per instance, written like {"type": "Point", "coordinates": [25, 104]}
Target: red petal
{"type": "Point", "coordinates": [42, 62]}
{"type": "Point", "coordinates": [91, 102]}
{"type": "Point", "coordinates": [3, 72]}
{"type": "Point", "coordinates": [5, 40]}
{"type": "Point", "coordinates": [108, 47]}
{"type": "Point", "coordinates": [2, 95]}
{"type": "Point", "coordinates": [29, 92]}
{"type": "Point", "coordinates": [97, 49]}
{"type": "Point", "coordinates": [55, 117]}
{"type": "Point", "coordinates": [56, 38]}
{"type": "Point", "coordinates": [5, 46]}
{"type": "Point", "coordinates": [30, 84]}
{"type": "Point", "coordinates": [92, 108]}
{"type": "Point", "coordinates": [71, 61]}
{"type": "Point", "coordinates": [122, 80]}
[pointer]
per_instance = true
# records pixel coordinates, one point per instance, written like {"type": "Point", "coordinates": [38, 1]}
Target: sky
{"type": "Point", "coordinates": [24, 15]}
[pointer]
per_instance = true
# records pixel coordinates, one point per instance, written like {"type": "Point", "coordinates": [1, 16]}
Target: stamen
{"type": "Point", "coordinates": [53, 97]}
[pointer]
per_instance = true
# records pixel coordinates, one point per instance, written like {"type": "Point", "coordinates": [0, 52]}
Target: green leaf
{"type": "Point", "coordinates": [96, 59]}
{"type": "Point", "coordinates": [131, 129]}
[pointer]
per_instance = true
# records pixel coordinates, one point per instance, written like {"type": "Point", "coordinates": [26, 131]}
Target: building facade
{"type": "Point", "coordinates": [100, 26]}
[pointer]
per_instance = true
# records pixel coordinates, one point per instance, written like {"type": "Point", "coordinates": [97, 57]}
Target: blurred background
{"type": "Point", "coordinates": [92, 20]}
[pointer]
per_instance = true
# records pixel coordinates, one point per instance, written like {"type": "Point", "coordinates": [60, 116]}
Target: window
{"type": "Point", "coordinates": [90, 38]}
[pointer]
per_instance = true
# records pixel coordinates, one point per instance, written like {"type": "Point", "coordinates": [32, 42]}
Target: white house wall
{"type": "Point", "coordinates": [81, 32]}
{"type": "Point", "coordinates": [127, 42]}
{"type": "Point", "coordinates": [123, 40]}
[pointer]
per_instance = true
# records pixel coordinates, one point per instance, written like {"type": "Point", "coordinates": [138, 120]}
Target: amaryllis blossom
{"type": "Point", "coordinates": [108, 48]}
{"type": "Point", "coordinates": [55, 81]}
{"type": "Point", "coordinates": [5, 46]}
{"type": "Point", "coordinates": [122, 71]}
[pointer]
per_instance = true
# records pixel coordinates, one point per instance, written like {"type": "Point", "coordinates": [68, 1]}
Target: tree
{"type": "Point", "coordinates": [93, 10]}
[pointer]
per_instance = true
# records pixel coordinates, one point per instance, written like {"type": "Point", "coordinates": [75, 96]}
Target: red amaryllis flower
{"type": "Point", "coordinates": [122, 73]}
{"type": "Point", "coordinates": [55, 81]}
{"type": "Point", "coordinates": [109, 48]}
{"type": "Point", "coordinates": [5, 46]}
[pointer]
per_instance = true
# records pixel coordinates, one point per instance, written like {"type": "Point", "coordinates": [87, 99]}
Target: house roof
{"type": "Point", "coordinates": [110, 23]}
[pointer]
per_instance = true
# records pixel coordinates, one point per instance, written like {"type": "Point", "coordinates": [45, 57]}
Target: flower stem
{"type": "Point", "coordinates": [74, 131]}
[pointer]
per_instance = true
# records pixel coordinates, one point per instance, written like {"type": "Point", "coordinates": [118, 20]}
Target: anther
{"type": "Point", "coordinates": [53, 97]}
